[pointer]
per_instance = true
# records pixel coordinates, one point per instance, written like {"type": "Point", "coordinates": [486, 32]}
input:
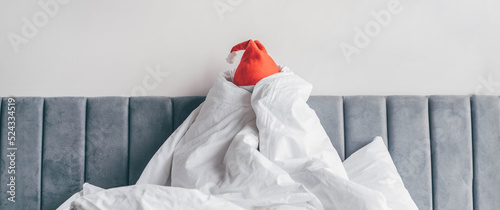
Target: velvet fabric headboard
{"type": "Point", "coordinates": [446, 148]}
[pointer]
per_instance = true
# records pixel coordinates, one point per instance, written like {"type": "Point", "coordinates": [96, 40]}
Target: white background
{"type": "Point", "coordinates": [105, 48]}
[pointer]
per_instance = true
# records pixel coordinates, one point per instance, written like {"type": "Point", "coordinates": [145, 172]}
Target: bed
{"type": "Point", "coordinates": [446, 148]}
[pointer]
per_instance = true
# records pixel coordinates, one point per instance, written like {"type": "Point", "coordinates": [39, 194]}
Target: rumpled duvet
{"type": "Point", "coordinates": [258, 147]}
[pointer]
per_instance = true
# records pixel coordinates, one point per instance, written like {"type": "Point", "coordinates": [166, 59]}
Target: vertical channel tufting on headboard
{"type": "Point", "coordinates": [106, 153]}
{"type": "Point", "coordinates": [28, 113]}
{"type": "Point", "coordinates": [331, 115]}
{"type": "Point", "coordinates": [150, 124]}
{"type": "Point", "coordinates": [409, 145]}
{"type": "Point", "coordinates": [451, 150]}
{"type": "Point", "coordinates": [63, 149]}
{"type": "Point", "coordinates": [182, 107]}
{"type": "Point", "coordinates": [446, 148]}
{"type": "Point", "coordinates": [364, 118]}
{"type": "Point", "coordinates": [486, 144]}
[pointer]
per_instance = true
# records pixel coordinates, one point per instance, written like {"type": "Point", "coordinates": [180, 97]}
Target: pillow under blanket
{"type": "Point", "coordinates": [372, 167]}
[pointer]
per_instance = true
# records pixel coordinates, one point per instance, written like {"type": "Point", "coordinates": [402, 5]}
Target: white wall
{"type": "Point", "coordinates": [106, 48]}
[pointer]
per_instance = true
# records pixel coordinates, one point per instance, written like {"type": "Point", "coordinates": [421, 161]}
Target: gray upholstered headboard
{"type": "Point", "coordinates": [446, 148]}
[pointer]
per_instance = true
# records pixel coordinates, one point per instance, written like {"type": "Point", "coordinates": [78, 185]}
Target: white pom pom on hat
{"type": "Point", "coordinates": [231, 57]}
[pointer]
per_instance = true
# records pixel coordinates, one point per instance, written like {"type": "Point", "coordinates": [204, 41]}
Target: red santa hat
{"type": "Point", "coordinates": [255, 63]}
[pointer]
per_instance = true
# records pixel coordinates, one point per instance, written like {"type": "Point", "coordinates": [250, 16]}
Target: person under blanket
{"type": "Point", "coordinates": [254, 143]}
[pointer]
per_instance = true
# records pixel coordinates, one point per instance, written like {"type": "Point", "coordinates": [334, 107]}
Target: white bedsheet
{"type": "Point", "coordinates": [260, 150]}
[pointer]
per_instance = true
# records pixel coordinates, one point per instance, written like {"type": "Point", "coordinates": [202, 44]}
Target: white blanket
{"type": "Point", "coordinates": [264, 149]}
